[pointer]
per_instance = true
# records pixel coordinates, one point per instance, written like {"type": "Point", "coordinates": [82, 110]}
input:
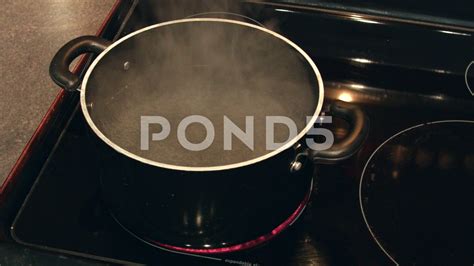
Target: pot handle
{"type": "Point", "coordinates": [59, 67]}
{"type": "Point", "coordinates": [359, 129]}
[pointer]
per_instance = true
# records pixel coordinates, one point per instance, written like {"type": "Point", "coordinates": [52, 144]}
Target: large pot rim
{"type": "Point", "coordinates": [123, 151]}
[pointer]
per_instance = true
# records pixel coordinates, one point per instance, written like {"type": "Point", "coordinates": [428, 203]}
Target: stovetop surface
{"type": "Point", "coordinates": [370, 63]}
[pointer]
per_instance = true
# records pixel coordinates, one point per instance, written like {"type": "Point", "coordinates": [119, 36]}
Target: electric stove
{"type": "Point", "coordinates": [404, 73]}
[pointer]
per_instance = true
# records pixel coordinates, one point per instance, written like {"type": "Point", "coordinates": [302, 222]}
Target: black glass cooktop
{"type": "Point", "coordinates": [453, 12]}
{"type": "Point", "coordinates": [417, 193]}
{"type": "Point", "coordinates": [64, 211]}
{"type": "Point", "coordinates": [374, 64]}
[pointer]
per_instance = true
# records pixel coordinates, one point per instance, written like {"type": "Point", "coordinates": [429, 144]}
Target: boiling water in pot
{"type": "Point", "coordinates": [211, 69]}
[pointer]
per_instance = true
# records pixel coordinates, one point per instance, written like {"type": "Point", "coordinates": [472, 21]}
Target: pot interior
{"type": "Point", "coordinates": [210, 68]}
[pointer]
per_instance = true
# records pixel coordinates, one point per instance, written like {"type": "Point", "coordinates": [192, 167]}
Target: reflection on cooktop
{"type": "Point", "coordinates": [417, 192]}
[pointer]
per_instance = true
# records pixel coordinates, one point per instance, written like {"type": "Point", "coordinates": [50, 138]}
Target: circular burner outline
{"type": "Point", "coordinates": [465, 78]}
{"type": "Point", "coordinates": [370, 159]}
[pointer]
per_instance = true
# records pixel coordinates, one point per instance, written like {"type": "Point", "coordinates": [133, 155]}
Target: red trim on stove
{"type": "Point", "coordinates": [249, 244]}
{"type": "Point", "coordinates": [40, 130]}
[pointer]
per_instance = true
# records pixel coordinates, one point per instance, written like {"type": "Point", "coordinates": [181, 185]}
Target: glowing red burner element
{"type": "Point", "coordinates": [250, 244]}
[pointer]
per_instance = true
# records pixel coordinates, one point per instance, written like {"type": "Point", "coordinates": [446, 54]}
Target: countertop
{"type": "Point", "coordinates": [32, 31]}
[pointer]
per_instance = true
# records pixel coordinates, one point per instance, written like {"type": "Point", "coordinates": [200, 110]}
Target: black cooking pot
{"type": "Point", "coordinates": [206, 197]}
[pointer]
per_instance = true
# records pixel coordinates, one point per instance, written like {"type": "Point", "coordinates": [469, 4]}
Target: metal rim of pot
{"type": "Point", "coordinates": [123, 151]}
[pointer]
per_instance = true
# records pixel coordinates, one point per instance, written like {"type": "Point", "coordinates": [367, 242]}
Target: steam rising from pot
{"type": "Point", "coordinates": [207, 68]}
